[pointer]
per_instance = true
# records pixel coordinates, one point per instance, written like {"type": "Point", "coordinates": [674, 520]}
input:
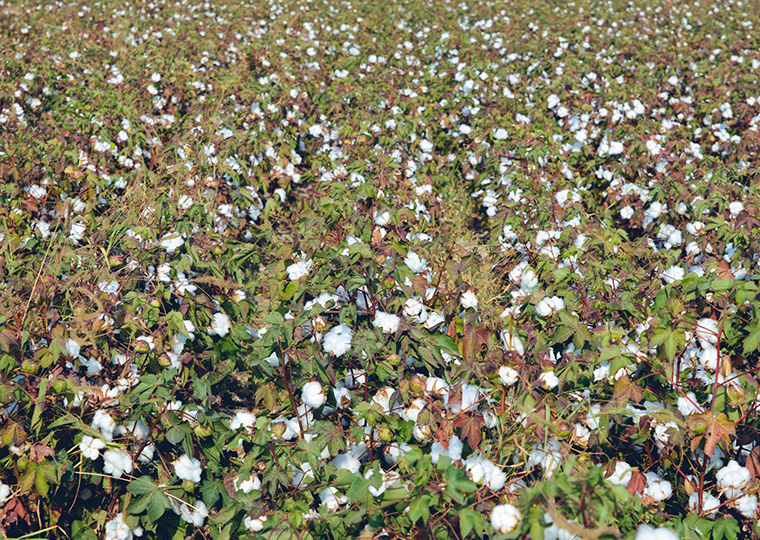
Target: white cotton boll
{"type": "Point", "coordinates": [707, 331]}
{"type": "Point", "coordinates": [116, 463]}
{"type": "Point", "coordinates": [91, 446]}
{"type": "Point", "coordinates": [387, 322]}
{"type": "Point", "coordinates": [505, 518]}
{"type": "Point", "coordinates": [188, 468]}
{"type": "Point", "coordinates": [673, 274]}
{"type": "Point", "coordinates": [382, 218]}
{"type": "Point", "coordinates": [622, 474]}
{"type": "Point", "coordinates": [746, 505]}
{"type": "Point", "coordinates": [220, 325]}
{"type": "Point", "coordinates": [413, 307]}
{"type": "Point", "coordinates": [383, 398]}
{"type": "Point", "coordinates": [313, 395]}
{"type": "Point", "coordinates": [243, 419]}
{"type": "Point", "coordinates": [338, 340]}
{"type": "Point", "coordinates": [469, 300]}
{"type": "Point", "coordinates": [735, 208]}
{"type": "Point", "coordinates": [689, 406]}
{"type": "Point", "coordinates": [433, 320]}
{"type": "Point", "coordinates": [72, 348]}
{"type": "Point", "coordinates": [117, 529]}
{"type": "Point", "coordinates": [500, 134]}
{"type": "Point", "coordinates": [508, 376]}
{"type": "Point", "coordinates": [512, 342]}
{"type": "Point", "coordinates": [657, 488]}
{"type": "Point", "coordinates": [171, 241]}
{"type": "Point", "coordinates": [331, 500]}
{"type": "Point", "coordinates": [732, 476]}
{"type": "Point", "coordinates": [103, 421]}
{"type": "Point", "coordinates": [197, 516]}
{"type": "Point", "coordinates": [426, 146]}
{"type": "Point", "coordinates": [549, 306]}
{"type": "Point", "coordinates": [646, 532]}
{"type": "Point", "coordinates": [708, 358]}
{"type": "Point", "coordinates": [299, 269]}
{"type": "Point", "coordinates": [710, 503]}
{"type": "Point", "coordinates": [254, 524]}
{"type": "Point", "coordinates": [415, 263]}
{"type": "Point", "coordinates": [626, 212]}
{"type": "Point", "coordinates": [346, 462]}
{"type": "Point", "coordinates": [342, 397]}
{"type": "Point", "coordinates": [549, 379]}
{"type": "Point", "coordinates": [301, 475]}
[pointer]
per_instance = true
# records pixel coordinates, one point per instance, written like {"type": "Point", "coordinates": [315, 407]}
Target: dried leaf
{"type": "Point", "coordinates": [637, 483]}
{"type": "Point", "coordinates": [753, 462]}
{"type": "Point", "coordinates": [470, 425]}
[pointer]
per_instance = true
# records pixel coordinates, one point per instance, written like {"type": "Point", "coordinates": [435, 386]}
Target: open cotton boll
{"type": "Point", "coordinates": [301, 475]}
{"type": "Point", "coordinates": [548, 306]}
{"type": "Point", "coordinates": [453, 451]}
{"type": "Point", "coordinates": [647, 532]}
{"type": "Point", "coordinates": [746, 505]}
{"type": "Point", "coordinates": [195, 514]}
{"type": "Point", "coordinates": [707, 331]}
{"type": "Point", "coordinates": [313, 395]}
{"type": "Point", "coordinates": [469, 300]}
{"type": "Point", "coordinates": [338, 340]}
{"type": "Point", "coordinates": [188, 468]}
{"type": "Point", "coordinates": [505, 518]}
{"type": "Point", "coordinates": [512, 342]}
{"type": "Point", "coordinates": [415, 263]}
{"type": "Point", "coordinates": [103, 421]}
{"type": "Point", "coordinates": [117, 529]}
{"type": "Point", "coordinates": [710, 503]}
{"type": "Point", "coordinates": [331, 499]}
{"type": "Point", "coordinates": [220, 325]}
{"type": "Point", "coordinates": [254, 524]}
{"type": "Point", "coordinates": [243, 419]}
{"type": "Point", "coordinates": [346, 462]}
{"type": "Point", "coordinates": [90, 447]}
{"type": "Point", "coordinates": [387, 322]}
{"type": "Point", "coordinates": [673, 274]}
{"type": "Point", "coordinates": [299, 269]}
{"type": "Point", "coordinates": [116, 463]}
{"type": "Point", "coordinates": [732, 476]}
{"type": "Point", "coordinates": [735, 208]}
{"type": "Point", "coordinates": [657, 488]}
{"type": "Point", "coordinates": [688, 406]}
{"type": "Point", "coordinates": [508, 375]}
{"type": "Point", "coordinates": [171, 241]}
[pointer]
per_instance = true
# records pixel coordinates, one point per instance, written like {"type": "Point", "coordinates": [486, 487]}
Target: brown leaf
{"type": "Point", "coordinates": [717, 429]}
{"type": "Point", "coordinates": [626, 390]}
{"type": "Point", "coordinates": [8, 338]}
{"type": "Point", "coordinates": [753, 462]}
{"type": "Point", "coordinates": [637, 483]}
{"type": "Point", "coordinates": [470, 425]}
{"type": "Point", "coordinates": [39, 451]}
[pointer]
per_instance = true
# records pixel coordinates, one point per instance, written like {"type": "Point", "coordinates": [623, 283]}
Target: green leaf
{"type": "Point", "coordinates": [274, 318]}
{"type": "Point", "coordinates": [142, 485]}
{"type": "Point", "coordinates": [158, 503]}
{"type": "Point", "coordinates": [358, 490]}
{"type": "Point", "coordinates": [419, 509]}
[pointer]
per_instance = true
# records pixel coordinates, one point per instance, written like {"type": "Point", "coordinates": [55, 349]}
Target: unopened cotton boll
{"type": "Point", "coordinates": [188, 468]}
{"type": "Point", "coordinates": [313, 395]}
{"type": "Point", "coordinates": [505, 518]}
{"type": "Point", "coordinates": [387, 322]}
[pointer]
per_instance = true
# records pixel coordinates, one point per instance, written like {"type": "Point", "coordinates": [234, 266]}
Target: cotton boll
{"type": "Point", "coordinates": [512, 342]}
{"type": "Point", "coordinates": [500, 134]}
{"type": "Point", "coordinates": [735, 208]}
{"type": "Point", "coordinates": [254, 524]}
{"type": "Point", "coordinates": [243, 419]}
{"type": "Point", "coordinates": [657, 488]}
{"type": "Point", "coordinates": [331, 499]}
{"type": "Point", "coordinates": [338, 340]}
{"type": "Point", "coordinates": [707, 331]}
{"type": "Point", "coordinates": [646, 532]}
{"type": "Point", "coordinates": [549, 306]}
{"type": "Point", "coordinates": [103, 421]}
{"type": "Point", "coordinates": [197, 515]}
{"type": "Point", "coordinates": [672, 274]}
{"type": "Point", "coordinates": [708, 358]}
{"type": "Point", "coordinates": [117, 529]}
{"type": "Point", "coordinates": [622, 474]}
{"type": "Point", "coordinates": [188, 468]}
{"type": "Point", "coordinates": [387, 322]}
{"type": "Point", "coordinates": [508, 376]}
{"type": "Point", "coordinates": [415, 263]}
{"type": "Point", "coordinates": [746, 505]}
{"type": "Point", "coordinates": [710, 503]}
{"type": "Point", "coordinates": [116, 463]}
{"type": "Point", "coordinates": [549, 379]}
{"type": "Point", "coordinates": [302, 475]}
{"type": "Point", "coordinates": [469, 300]}
{"type": "Point", "coordinates": [689, 406]}
{"type": "Point", "coordinates": [220, 325]}
{"type": "Point", "coordinates": [346, 462]}
{"type": "Point", "coordinates": [313, 395]}
{"type": "Point", "coordinates": [732, 476]}
{"type": "Point", "coordinates": [505, 518]}
{"type": "Point", "coordinates": [299, 269]}
{"type": "Point", "coordinates": [90, 447]}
